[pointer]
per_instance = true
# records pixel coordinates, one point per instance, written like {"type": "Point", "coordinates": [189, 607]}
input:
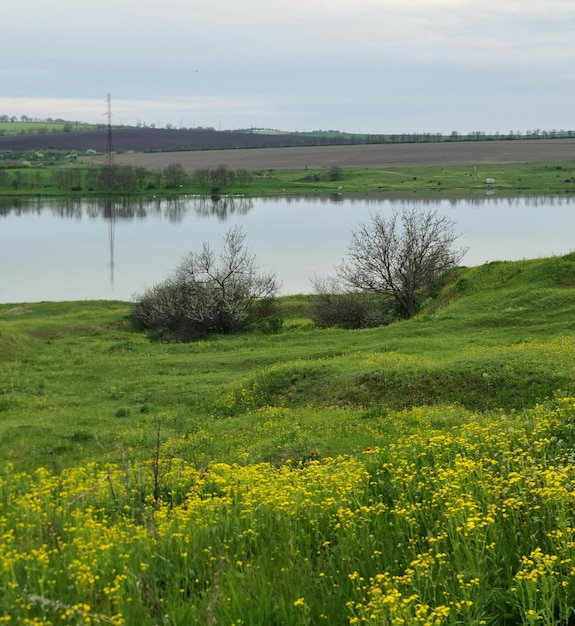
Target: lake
{"type": "Point", "coordinates": [78, 249]}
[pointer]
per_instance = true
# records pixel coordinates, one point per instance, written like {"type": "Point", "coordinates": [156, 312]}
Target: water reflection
{"type": "Point", "coordinates": [109, 215]}
{"type": "Point", "coordinates": [223, 207]}
{"type": "Point", "coordinates": [173, 209]}
{"type": "Point", "coordinates": [112, 247]}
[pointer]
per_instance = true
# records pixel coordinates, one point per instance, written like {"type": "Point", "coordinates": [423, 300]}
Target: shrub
{"type": "Point", "coordinates": [209, 294]}
{"type": "Point", "coordinates": [334, 306]}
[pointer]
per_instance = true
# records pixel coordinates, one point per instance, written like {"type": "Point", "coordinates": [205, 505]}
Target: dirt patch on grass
{"type": "Point", "coordinates": [17, 310]}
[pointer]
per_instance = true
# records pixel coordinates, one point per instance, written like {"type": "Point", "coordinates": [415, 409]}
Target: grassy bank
{"type": "Point", "coordinates": [517, 178]}
{"type": "Point", "coordinates": [418, 473]}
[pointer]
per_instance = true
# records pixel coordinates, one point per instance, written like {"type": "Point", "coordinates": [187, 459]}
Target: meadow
{"type": "Point", "coordinates": [418, 473]}
{"type": "Point", "coordinates": [57, 176]}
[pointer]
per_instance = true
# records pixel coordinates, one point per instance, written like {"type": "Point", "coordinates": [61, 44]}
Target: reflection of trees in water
{"type": "Point", "coordinates": [422, 200]}
{"type": "Point", "coordinates": [67, 207]}
{"type": "Point", "coordinates": [19, 206]}
{"type": "Point", "coordinates": [176, 208]}
{"type": "Point", "coordinates": [173, 209]}
{"type": "Point", "coordinates": [223, 206]}
{"type": "Point", "coordinates": [124, 208]}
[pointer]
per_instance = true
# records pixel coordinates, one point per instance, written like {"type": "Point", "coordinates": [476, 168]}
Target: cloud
{"type": "Point", "coordinates": [328, 62]}
{"type": "Point", "coordinates": [178, 30]}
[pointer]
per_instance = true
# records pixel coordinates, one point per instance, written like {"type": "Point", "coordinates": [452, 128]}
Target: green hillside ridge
{"type": "Point", "coordinates": [78, 382]}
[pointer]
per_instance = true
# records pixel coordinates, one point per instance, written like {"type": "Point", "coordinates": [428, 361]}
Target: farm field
{"type": "Point", "coordinates": [145, 139]}
{"type": "Point", "coordinates": [361, 156]}
{"type": "Point", "coordinates": [256, 164]}
{"type": "Point", "coordinates": [417, 473]}
{"type": "Point", "coordinates": [253, 151]}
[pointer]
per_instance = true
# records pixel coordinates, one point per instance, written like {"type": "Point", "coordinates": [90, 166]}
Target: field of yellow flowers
{"type": "Point", "coordinates": [472, 524]}
{"type": "Point", "coordinates": [230, 490]}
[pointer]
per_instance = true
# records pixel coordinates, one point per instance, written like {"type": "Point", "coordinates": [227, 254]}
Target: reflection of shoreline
{"type": "Point", "coordinates": [223, 207]}
{"type": "Point", "coordinates": [129, 208]}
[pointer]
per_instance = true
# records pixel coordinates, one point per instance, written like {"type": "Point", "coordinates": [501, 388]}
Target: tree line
{"type": "Point", "coordinates": [120, 178]}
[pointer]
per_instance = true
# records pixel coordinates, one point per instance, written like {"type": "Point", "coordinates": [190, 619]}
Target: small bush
{"type": "Point", "coordinates": [333, 306]}
{"type": "Point", "coordinates": [209, 294]}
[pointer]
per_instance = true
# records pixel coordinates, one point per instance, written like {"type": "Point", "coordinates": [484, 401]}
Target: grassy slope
{"type": "Point", "coordinates": [433, 515]}
{"type": "Point", "coordinates": [517, 178]}
{"type": "Point", "coordinates": [77, 383]}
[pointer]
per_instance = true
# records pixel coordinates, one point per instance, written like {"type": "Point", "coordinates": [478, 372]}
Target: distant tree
{"type": "Point", "coordinates": [202, 177]}
{"type": "Point", "coordinates": [335, 173]}
{"type": "Point", "coordinates": [107, 178]}
{"type": "Point", "coordinates": [220, 176]}
{"type": "Point", "coordinates": [119, 178]}
{"type": "Point", "coordinates": [208, 293]}
{"type": "Point", "coordinates": [243, 176]}
{"type": "Point", "coordinates": [401, 256]}
{"type": "Point", "coordinates": [68, 179]}
{"type": "Point", "coordinates": [174, 176]}
{"type": "Point", "coordinates": [141, 175]}
{"type": "Point", "coordinates": [17, 180]}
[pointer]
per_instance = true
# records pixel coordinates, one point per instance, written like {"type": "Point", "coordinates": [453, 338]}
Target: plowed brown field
{"type": "Point", "coordinates": [361, 156]}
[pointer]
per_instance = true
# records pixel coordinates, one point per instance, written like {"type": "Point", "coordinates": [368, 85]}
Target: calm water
{"type": "Point", "coordinates": [91, 249]}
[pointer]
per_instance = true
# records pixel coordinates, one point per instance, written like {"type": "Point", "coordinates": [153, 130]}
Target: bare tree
{"type": "Point", "coordinates": [209, 293]}
{"type": "Point", "coordinates": [401, 255]}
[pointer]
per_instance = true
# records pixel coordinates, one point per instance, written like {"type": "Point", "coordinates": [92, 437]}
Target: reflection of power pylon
{"type": "Point", "coordinates": [109, 209]}
{"type": "Point", "coordinates": [110, 217]}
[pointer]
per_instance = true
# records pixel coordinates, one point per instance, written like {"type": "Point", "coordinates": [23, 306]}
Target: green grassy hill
{"type": "Point", "coordinates": [419, 473]}
{"type": "Point", "coordinates": [78, 382]}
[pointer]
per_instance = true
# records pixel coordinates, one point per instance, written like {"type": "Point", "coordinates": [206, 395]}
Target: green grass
{"type": "Point", "coordinates": [77, 381]}
{"type": "Point", "coordinates": [419, 473]}
{"type": "Point", "coordinates": [18, 128]}
{"type": "Point", "coordinates": [514, 178]}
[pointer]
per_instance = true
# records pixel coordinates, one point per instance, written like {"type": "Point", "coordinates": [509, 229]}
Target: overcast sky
{"type": "Point", "coordinates": [370, 66]}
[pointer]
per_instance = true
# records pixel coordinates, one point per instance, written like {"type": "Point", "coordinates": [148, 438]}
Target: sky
{"type": "Point", "coordinates": [361, 66]}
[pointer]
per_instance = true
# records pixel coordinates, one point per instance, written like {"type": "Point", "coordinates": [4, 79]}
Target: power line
{"type": "Point", "coordinates": [109, 146]}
